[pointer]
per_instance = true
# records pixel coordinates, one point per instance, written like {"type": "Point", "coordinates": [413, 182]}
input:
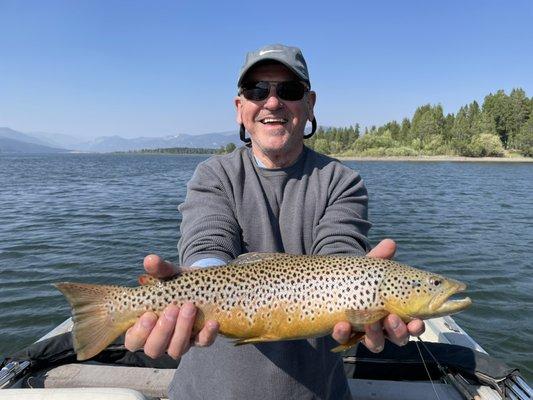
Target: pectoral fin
{"type": "Point", "coordinates": [364, 317]}
{"type": "Point", "coordinates": [350, 343]}
{"type": "Point", "coordinates": [358, 318]}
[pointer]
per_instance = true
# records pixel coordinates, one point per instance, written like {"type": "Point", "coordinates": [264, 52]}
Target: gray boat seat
{"type": "Point", "coordinates": [72, 393]}
{"type": "Point", "coordinates": [149, 381]}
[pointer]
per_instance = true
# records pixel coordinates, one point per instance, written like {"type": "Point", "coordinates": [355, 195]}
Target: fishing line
{"type": "Point", "coordinates": [432, 356]}
{"type": "Point", "coordinates": [427, 370]}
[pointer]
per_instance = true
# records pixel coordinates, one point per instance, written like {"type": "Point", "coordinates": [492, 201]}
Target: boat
{"type": "Point", "coordinates": [444, 363]}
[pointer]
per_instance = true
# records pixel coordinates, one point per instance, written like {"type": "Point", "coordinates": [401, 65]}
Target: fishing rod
{"type": "Point", "coordinates": [456, 380]}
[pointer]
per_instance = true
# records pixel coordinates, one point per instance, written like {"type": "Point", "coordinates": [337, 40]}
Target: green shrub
{"type": "Point", "coordinates": [434, 144]}
{"type": "Point", "coordinates": [322, 146]}
{"type": "Point", "coordinates": [524, 138]}
{"type": "Point", "coordinates": [373, 152]}
{"type": "Point", "coordinates": [484, 145]}
{"type": "Point", "coordinates": [400, 152]}
{"type": "Point", "coordinates": [374, 140]}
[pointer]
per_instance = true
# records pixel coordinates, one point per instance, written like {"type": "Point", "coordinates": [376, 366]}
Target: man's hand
{"type": "Point", "coordinates": [397, 331]}
{"type": "Point", "coordinates": [172, 331]}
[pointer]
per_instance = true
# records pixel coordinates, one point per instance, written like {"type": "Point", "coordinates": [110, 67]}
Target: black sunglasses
{"type": "Point", "coordinates": [286, 90]}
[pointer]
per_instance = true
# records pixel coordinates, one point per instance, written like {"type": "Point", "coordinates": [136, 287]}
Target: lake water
{"type": "Point", "coordinates": [92, 218]}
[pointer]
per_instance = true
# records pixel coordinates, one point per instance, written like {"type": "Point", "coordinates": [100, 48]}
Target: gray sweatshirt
{"type": "Point", "coordinates": [315, 206]}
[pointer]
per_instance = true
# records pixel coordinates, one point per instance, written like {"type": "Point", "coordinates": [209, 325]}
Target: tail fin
{"type": "Point", "coordinates": [94, 326]}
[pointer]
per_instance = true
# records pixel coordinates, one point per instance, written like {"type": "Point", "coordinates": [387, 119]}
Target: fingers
{"type": "Point", "coordinates": [341, 332]}
{"type": "Point", "coordinates": [159, 338]}
{"type": "Point", "coordinates": [416, 327]}
{"type": "Point", "coordinates": [136, 336]}
{"type": "Point", "coordinates": [374, 339]}
{"type": "Point", "coordinates": [159, 268]}
{"type": "Point", "coordinates": [396, 330]}
{"type": "Point", "coordinates": [170, 333]}
{"type": "Point", "coordinates": [384, 249]}
{"type": "Point", "coordinates": [207, 335]}
{"type": "Point", "coordinates": [181, 339]}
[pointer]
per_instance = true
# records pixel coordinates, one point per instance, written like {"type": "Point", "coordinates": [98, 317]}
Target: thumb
{"type": "Point", "coordinates": [158, 267]}
{"type": "Point", "coordinates": [384, 249]}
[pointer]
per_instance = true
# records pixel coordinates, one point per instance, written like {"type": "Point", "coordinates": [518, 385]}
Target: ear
{"type": "Point", "coordinates": [311, 100]}
{"type": "Point", "coordinates": [238, 108]}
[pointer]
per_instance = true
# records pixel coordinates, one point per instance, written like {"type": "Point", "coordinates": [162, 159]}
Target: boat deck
{"type": "Point", "coordinates": [152, 383]}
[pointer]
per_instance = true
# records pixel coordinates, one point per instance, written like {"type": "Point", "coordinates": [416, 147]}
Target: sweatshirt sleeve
{"type": "Point", "coordinates": [209, 228]}
{"type": "Point", "coordinates": [344, 226]}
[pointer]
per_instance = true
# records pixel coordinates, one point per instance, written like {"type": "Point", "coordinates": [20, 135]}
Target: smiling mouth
{"type": "Point", "coordinates": [273, 121]}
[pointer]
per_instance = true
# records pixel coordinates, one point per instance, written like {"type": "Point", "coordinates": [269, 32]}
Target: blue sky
{"type": "Point", "coordinates": [152, 68]}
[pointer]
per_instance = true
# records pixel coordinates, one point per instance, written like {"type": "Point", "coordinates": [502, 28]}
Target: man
{"type": "Point", "coordinates": [274, 195]}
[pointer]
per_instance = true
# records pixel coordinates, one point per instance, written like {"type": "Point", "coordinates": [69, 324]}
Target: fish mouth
{"type": "Point", "coordinates": [443, 305]}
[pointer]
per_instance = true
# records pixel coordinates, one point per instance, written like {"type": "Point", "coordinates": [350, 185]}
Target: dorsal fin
{"type": "Point", "coordinates": [146, 279]}
{"type": "Point", "coordinates": [186, 270]}
{"type": "Point", "coordinates": [253, 257]}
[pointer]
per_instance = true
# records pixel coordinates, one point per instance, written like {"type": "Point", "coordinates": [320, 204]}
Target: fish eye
{"type": "Point", "coordinates": [434, 282]}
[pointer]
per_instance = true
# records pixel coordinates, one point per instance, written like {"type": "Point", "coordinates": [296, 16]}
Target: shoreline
{"type": "Point", "coordinates": [438, 158]}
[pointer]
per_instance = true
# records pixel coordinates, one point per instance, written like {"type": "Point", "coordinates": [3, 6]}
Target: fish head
{"type": "Point", "coordinates": [411, 293]}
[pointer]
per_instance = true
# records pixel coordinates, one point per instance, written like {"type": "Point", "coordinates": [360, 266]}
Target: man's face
{"type": "Point", "coordinates": [276, 126]}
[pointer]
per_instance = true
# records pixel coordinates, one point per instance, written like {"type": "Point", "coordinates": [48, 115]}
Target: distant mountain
{"type": "Point", "coordinates": [118, 143]}
{"type": "Point", "coordinates": [17, 146]}
{"type": "Point", "coordinates": [107, 144]}
{"type": "Point", "coordinates": [8, 133]}
{"type": "Point", "coordinates": [56, 139]}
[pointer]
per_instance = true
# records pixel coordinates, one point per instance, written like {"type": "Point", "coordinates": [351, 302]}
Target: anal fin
{"type": "Point", "coordinates": [259, 339]}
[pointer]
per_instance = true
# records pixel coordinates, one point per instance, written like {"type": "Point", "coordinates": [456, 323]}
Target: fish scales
{"type": "Point", "coordinates": [267, 297]}
{"type": "Point", "coordinates": [294, 290]}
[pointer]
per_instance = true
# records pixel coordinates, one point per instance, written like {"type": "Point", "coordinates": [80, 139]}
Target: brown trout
{"type": "Point", "coordinates": [263, 297]}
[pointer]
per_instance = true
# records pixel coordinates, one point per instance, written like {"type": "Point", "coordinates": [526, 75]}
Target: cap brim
{"type": "Point", "coordinates": [263, 60]}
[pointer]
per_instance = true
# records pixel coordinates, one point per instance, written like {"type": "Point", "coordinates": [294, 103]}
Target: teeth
{"type": "Point", "coordinates": [273, 120]}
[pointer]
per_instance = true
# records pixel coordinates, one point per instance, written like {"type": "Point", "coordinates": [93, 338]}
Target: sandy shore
{"type": "Point", "coordinates": [441, 158]}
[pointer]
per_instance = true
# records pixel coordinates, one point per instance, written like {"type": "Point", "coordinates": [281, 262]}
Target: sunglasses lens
{"type": "Point", "coordinates": [288, 90]}
{"type": "Point", "coordinates": [256, 91]}
{"type": "Point", "coordinates": [291, 90]}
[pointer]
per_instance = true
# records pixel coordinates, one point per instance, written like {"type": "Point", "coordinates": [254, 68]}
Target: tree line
{"type": "Point", "coordinates": [502, 124]}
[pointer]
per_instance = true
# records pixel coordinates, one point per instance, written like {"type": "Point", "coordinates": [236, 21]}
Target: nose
{"type": "Point", "coordinates": [273, 102]}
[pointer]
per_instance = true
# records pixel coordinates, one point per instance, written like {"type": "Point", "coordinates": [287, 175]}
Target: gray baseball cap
{"type": "Point", "coordinates": [291, 57]}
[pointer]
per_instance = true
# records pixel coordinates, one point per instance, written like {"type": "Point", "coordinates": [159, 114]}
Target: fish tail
{"type": "Point", "coordinates": [95, 327]}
